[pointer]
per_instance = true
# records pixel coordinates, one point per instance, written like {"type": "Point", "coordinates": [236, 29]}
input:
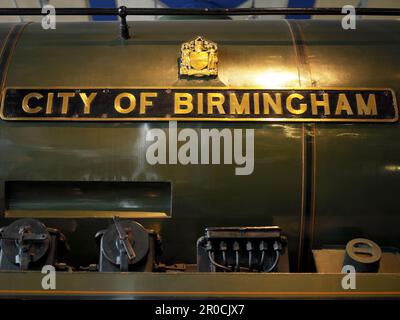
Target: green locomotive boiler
{"type": "Point", "coordinates": [294, 152]}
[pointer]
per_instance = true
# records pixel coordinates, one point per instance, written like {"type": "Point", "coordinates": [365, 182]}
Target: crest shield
{"type": "Point", "coordinates": [198, 58]}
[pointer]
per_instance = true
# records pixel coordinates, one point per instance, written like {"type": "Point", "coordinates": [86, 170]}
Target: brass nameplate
{"type": "Point", "coordinates": [199, 104]}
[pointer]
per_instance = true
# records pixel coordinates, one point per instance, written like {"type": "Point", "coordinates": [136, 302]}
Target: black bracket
{"type": "Point", "coordinates": [124, 28]}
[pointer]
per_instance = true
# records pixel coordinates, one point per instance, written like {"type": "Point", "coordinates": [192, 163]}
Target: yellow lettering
{"type": "Point", "coordinates": [368, 108]}
{"type": "Point", "coordinates": [130, 107]}
{"type": "Point", "coordinates": [320, 103]}
{"type": "Point", "coordinates": [144, 103]}
{"type": "Point", "coordinates": [256, 100]}
{"type": "Point", "coordinates": [49, 104]}
{"type": "Point", "coordinates": [200, 100]}
{"type": "Point", "coordinates": [25, 103]}
{"type": "Point", "coordinates": [289, 105]}
{"type": "Point", "coordinates": [239, 108]}
{"type": "Point", "coordinates": [87, 101]}
{"type": "Point", "coordinates": [183, 99]}
{"type": "Point", "coordinates": [343, 105]}
{"type": "Point", "coordinates": [276, 104]}
{"type": "Point", "coordinates": [215, 100]}
{"type": "Point", "coordinates": [65, 100]}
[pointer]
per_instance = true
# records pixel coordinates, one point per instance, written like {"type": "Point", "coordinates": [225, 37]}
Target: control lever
{"type": "Point", "coordinates": [23, 235]}
{"type": "Point", "coordinates": [123, 238]}
{"type": "Point", "coordinates": [25, 240]}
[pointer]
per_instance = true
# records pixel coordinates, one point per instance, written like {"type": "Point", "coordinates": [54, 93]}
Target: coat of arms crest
{"type": "Point", "coordinates": [199, 58]}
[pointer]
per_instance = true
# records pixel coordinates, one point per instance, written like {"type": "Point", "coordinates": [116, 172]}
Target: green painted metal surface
{"type": "Point", "coordinates": [93, 55]}
{"type": "Point", "coordinates": [356, 166]}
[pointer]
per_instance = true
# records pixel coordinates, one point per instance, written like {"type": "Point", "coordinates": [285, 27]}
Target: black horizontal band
{"type": "Point", "coordinates": [212, 12]}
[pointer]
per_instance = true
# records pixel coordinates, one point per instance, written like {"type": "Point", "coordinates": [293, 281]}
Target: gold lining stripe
{"type": "Point", "coordinates": [74, 214]}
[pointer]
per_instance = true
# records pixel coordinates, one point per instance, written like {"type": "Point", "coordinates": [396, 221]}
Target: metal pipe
{"type": "Point", "coordinates": [209, 12]}
{"type": "Point", "coordinates": [216, 264]}
{"type": "Point", "coordinates": [277, 255]}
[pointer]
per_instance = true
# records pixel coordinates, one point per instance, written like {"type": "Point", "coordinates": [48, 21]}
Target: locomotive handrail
{"type": "Point", "coordinates": [123, 12]}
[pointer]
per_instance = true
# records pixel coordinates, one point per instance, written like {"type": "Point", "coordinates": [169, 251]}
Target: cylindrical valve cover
{"type": "Point", "coordinates": [363, 254]}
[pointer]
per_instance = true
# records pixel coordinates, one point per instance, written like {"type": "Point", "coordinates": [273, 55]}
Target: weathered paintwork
{"type": "Point", "coordinates": [346, 190]}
